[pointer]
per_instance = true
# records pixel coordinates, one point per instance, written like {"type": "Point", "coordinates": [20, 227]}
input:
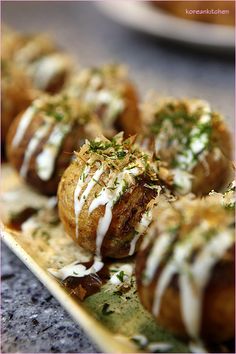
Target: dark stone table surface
{"type": "Point", "coordinates": [32, 320]}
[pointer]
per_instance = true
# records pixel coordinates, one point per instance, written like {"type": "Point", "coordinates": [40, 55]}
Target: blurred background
{"type": "Point", "coordinates": [163, 55]}
{"type": "Point", "coordinates": [169, 67]}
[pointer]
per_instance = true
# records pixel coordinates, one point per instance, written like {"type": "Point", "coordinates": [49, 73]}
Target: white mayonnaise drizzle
{"type": "Point", "coordinates": [185, 158]}
{"type": "Point", "coordinates": [152, 347]}
{"type": "Point", "coordinates": [217, 154]}
{"type": "Point", "coordinates": [182, 180]}
{"type": "Point", "coordinates": [162, 139]}
{"type": "Point", "coordinates": [23, 125]}
{"type": "Point", "coordinates": [108, 197]}
{"type": "Point", "coordinates": [51, 203]}
{"type": "Point", "coordinates": [114, 103]}
{"type": "Point", "coordinates": [79, 203]}
{"type": "Point", "coordinates": [198, 142]}
{"type": "Point", "coordinates": [127, 270]}
{"type": "Point", "coordinates": [32, 146]}
{"type": "Point", "coordinates": [88, 87]}
{"type": "Point", "coordinates": [193, 278]}
{"type": "Point", "coordinates": [198, 139]}
{"type": "Point", "coordinates": [45, 161]}
{"type": "Point", "coordinates": [154, 258]}
{"type": "Point", "coordinates": [200, 269]}
{"type": "Point", "coordinates": [141, 339]}
{"type": "Point", "coordinates": [76, 269]}
{"type": "Point", "coordinates": [159, 347]}
{"type": "Point", "coordinates": [45, 69]}
{"type": "Point", "coordinates": [30, 225]}
{"type": "Point", "coordinates": [81, 181]}
{"type": "Point", "coordinates": [140, 228]}
{"type": "Point", "coordinates": [197, 347]}
{"type": "Point", "coordinates": [163, 282]}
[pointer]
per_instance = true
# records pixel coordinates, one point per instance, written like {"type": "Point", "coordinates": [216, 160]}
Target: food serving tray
{"type": "Point", "coordinates": [113, 316]}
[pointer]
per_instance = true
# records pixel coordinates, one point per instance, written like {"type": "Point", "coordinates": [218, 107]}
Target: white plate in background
{"type": "Point", "coordinates": [139, 15]}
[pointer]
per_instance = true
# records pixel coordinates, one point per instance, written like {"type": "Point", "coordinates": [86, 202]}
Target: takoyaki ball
{"type": "Point", "coordinates": [185, 269]}
{"type": "Point", "coordinates": [192, 139]}
{"type": "Point", "coordinates": [105, 196]}
{"type": "Point", "coordinates": [109, 92]}
{"type": "Point", "coordinates": [42, 139]}
{"type": "Point", "coordinates": [16, 94]}
{"type": "Point", "coordinates": [47, 67]}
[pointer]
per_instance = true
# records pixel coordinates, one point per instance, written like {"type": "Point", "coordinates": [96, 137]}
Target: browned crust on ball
{"type": "Point", "coordinates": [15, 97]}
{"type": "Point", "coordinates": [219, 169]}
{"type": "Point", "coordinates": [129, 121]}
{"type": "Point", "coordinates": [218, 310]}
{"type": "Point", "coordinates": [212, 172]}
{"type": "Point", "coordinates": [126, 213]}
{"type": "Point", "coordinates": [71, 142]}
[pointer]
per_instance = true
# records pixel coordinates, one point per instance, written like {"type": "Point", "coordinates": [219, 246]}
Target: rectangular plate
{"type": "Point", "coordinates": [45, 245]}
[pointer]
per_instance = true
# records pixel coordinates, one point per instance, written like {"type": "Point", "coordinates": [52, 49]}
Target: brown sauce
{"type": "Point", "coordinates": [16, 220]}
{"type": "Point", "coordinates": [82, 287]}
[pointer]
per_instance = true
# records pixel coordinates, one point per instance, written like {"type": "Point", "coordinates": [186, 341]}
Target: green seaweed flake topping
{"type": "Point", "coordinates": [119, 153]}
{"type": "Point", "coordinates": [105, 310]}
{"type": "Point", "coordinates": [187, 131]}
{"type": "Point", "coordinates": [62, 108]}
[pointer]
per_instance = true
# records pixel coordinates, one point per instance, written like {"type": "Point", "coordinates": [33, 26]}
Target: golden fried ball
{"type": "Point", "coordinates": [106, 195]}
{"type": "Point", "coordinates": [185, 269]}
{"type": "Point", "coordinates": [112, 96]}
{"type": "Point", "coordinates": [16, 94]}
{"type": "Point", "coordinates": [42, 139]}
{"type": "Point", "coordinates": [40, 59]}
{"type": "Point", "coordinates": [193, 140]}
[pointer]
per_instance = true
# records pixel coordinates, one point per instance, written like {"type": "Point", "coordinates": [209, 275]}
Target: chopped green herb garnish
{"type": "Point", "coordinates": [118, 293]}
{"type": "Point", "coordinates": [58, 116]}
{"type": "Point", "coordinates": [184, 130]}
{"type": "Point", "coordinates": [121, 275]}
{"type": "Point", "coordinates": [105, 310]}
{"type": "Point", "coordinates": [121, 154]}
{"type": "Point", "coordinates": [54, 222]}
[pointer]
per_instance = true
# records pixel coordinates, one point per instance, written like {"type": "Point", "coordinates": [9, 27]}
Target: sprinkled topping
{"type": "Point", "coordinates": [187, 125]}
{"type": "Point", "coordinates": [193, 236]}
{"type": "Point", "coordinates": [114, 165]}
{"type": "Point", "coordinates": [46, 69]}
{"type": "Point", "coordinates": [58, 113]}
{"type": "Point", "coordinates": [118, 154]}
{"type": "Point", "coordinates": [102, 89]}
{"type": "Point", "coordinates": [62, 108]}
{"type": "Point", "coordinates": [182, 131]}
{"type": "Point", "coordinates": [121, 275]}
